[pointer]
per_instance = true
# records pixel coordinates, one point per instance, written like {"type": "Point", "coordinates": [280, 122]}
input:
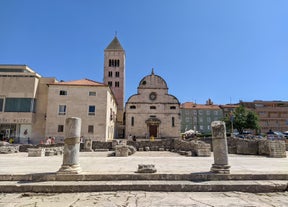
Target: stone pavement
{"type": "Point", "coordinates": [145, 199]}
{"type": "Point", "coordinates": [165, 163]}
{"type": "Point", "coordinates": [20, 173]}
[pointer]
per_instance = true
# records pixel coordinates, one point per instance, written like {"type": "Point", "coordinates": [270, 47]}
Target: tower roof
{"type": "Point", "coordinates": [114, 45]}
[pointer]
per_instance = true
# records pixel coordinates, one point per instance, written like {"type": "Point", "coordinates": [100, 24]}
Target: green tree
{"type": "Point", "coordinates": [242, 119]}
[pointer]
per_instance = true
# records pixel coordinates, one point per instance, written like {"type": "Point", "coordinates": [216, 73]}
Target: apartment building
{"type": "Point", "coordinates": [89, 100]}
{"type": "Point", "coordinates": [198, 117]}
{"type": "Point", "coordinates": [272, 114]}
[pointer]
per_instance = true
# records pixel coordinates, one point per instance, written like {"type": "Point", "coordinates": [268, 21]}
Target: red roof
{"type": "Point", "coordinates": [192, 105]}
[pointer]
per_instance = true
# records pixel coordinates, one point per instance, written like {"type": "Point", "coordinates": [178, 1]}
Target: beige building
{"type": "Point", "coordinates": [152, 111]}
{"type": "Point", "coordinates": [272, 114]}
{"type": "Point", "coordinates": [91, 101]}
{"type": "Point", "coordinates": [23, 103]}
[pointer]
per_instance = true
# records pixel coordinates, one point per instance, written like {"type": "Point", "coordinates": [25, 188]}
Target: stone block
{"type": "Point", "coordinates": [277, 149]}
{"type": "Point", "coordinates": [203, 152]}
{"type": "Point", "coordinates": [36, 152]}
{"type": "Point", "coordinates": [146, 168]}
{"type": "Point", "coordinates": [7, 149]}
{"type": "Point", "coordinates": [49, 152]}
{"type": "Point", "coordinates": [247, 147]}
{"type": "Point", "coordinates": [147, 148]}
{"type": "Point", "coordinates": [121, 151]}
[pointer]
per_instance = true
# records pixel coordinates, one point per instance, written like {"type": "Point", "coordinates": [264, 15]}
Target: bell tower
{"type": "Point", "coordinates": [114, 76]}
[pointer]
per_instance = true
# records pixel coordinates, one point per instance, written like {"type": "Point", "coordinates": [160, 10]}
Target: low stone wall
{"type": "Point", "coordinates": [48, 151]}
{"type": "Point", "coordinates": [101, 145]}
{"type": "Point", "coordinates": [254, 146]}
{"type": "Point", "coordinates": [247, 147]}
{"type": "Point", "coordinates": [25, 147]}
{"type": "Point", "coordinates": [8, 149]}
{"type": "Point", "coordinates": [196, 148]}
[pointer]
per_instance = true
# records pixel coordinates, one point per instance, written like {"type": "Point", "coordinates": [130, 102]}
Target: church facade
{"type": "Point", "coordinates": [152, 112]}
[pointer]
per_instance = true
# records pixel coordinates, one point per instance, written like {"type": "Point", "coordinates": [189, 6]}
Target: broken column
{"type": "Point", "coordinates": [220, 149]}
{"type": "Point", "coordinates": [88, 145]}
{"type": "Point", "coordinates": [71, 147]}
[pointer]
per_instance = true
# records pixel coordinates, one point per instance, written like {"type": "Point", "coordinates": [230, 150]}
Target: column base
{"type": "Point", "coordinates": [70, 169]}
{"type": "Point", "coordinates": [221, 169]}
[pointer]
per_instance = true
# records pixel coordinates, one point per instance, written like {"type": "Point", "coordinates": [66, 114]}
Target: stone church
{"type": "Point", "coordinates": [152, 111]}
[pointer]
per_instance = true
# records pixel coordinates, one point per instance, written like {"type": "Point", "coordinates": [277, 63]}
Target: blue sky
{"type": "Point", "coordinates": [224, 50]}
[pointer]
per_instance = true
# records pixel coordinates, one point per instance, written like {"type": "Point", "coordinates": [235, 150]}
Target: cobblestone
{"type": "Point", "coordinates": [145, 199]}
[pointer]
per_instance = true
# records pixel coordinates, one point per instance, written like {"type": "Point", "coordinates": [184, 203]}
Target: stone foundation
{"type": "Point", "coordinates": [36, 152]}
{"type": "Point", "coordinates": [271, 148]}
{"type": "Point", "coordinates": [41, 152]}
{"type": "Point", "coordinates": [8, 149]}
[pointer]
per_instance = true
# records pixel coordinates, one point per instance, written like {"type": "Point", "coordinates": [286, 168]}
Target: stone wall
{"type": "Point", "coordinates": [195, 147]}
{"type": "Point", "coordinates": [271, 148]}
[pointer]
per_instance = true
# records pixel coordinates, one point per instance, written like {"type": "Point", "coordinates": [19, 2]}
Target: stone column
{"type": "Point", "coordinates": [88, 145]}
{"type": "Point", "coordinates": [72, 147]}
{"type": "Point", "coordinates": [220, 149]}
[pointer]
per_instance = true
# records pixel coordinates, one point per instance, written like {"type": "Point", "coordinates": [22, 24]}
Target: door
{"type": "Point", "coordinates": [153, 130]}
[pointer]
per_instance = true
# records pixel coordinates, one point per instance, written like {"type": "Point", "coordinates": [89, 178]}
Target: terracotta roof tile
{"type": "Point", "coordinates": [191, 105]}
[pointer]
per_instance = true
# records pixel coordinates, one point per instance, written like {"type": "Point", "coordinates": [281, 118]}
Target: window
{"type": "Point", "coordinates": [60, 128]}
{"type": "Point", "coordinates": [133, 107]}
{"type": "Point", "coordinates": [110, 83]}
{"type": "Point", "coordinates": [1, 104]}
{"type": "Point", "coordinates": [132, 121]}
{"type": "Point", "coordinates": [201, 119]}
{"type": "Point", "coordinates": [117, 84]}
{"type": "Point", "coordinates": [63, 93]}
{"type": "Point", "coordinates": [208, 119]}
{"type": "Point", "coordinates": [91, 110]}
{"type": "Point", "coordinates": [208, 112]}
{"type": "Point", "coordinates": [152, 107]}
{"type": "Point", "coordinates": [110, 74]}
{"type": "Point", "coordinates": [173, 122]}
{"type": "Point", "coordinates": [91, 129]}
{"type": "Point", "coordinates": [172, 107]}
{"type": "Point", "coordinates": [92, 93]}
{"type": "Point", "coordinates": [114, 63]}
{"type": "Point", "coordinates": [62, 110]}
{"type": "Point", "coordinates": [117, 74]}
{"type": "Point", "coordinates": [20, 105]}
{"type": "Point", "coordinates": [216, 113]}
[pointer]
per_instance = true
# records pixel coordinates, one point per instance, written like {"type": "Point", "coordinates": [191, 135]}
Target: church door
{"type": "Point", "coordinates": [153, 130]}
